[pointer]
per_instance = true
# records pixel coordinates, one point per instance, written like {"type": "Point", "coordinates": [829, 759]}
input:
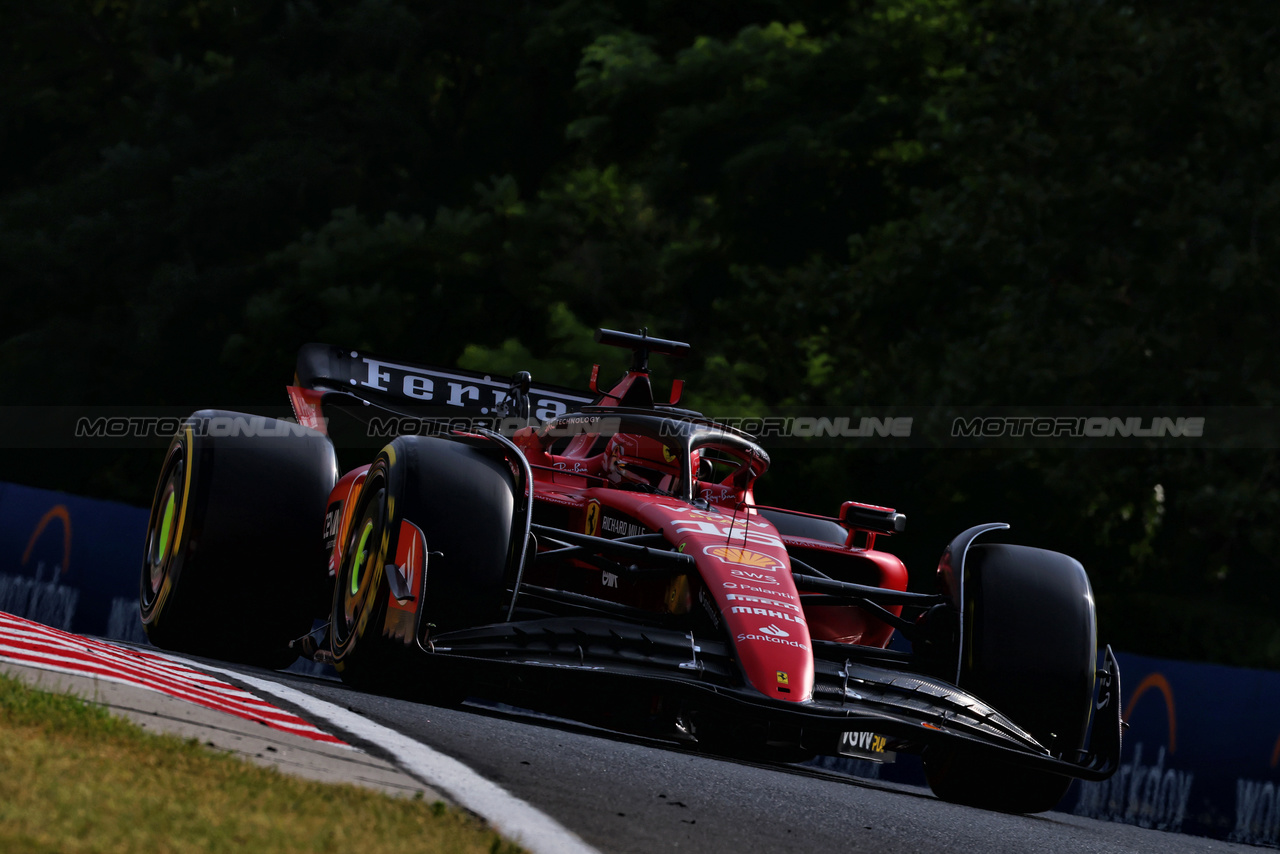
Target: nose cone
{"type": "Point", "coordinates": [775, 656]}
{"type": "Point", "coordinates": [746, 571]}
{"type": "Point", "coordinates": [753, 590]}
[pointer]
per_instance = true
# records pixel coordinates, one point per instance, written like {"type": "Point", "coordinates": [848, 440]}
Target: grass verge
{"type": "Point", "coordinates": [73, 778]}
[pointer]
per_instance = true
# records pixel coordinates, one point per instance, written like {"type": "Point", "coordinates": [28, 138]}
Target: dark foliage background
{"type": "Point", "coordinates": [938, 203]}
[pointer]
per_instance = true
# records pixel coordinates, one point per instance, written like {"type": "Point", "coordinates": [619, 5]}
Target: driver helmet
{"type": "Point", "coordinates": [631, 459]}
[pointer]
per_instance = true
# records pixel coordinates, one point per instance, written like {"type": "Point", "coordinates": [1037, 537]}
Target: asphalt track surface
{"type": "Point", "coordinates": [625, 795]}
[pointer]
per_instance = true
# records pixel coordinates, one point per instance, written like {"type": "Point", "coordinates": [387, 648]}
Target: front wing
{"type": "Point", "coordinates": [913, 711]}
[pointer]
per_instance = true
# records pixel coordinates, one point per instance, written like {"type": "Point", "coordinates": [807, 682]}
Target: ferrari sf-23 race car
{"type": "Point", "coordinates": [602, 557]}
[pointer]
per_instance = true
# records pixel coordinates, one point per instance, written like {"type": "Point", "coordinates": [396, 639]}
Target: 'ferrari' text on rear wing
{"type": "Point", "coordinates": [396, 384]}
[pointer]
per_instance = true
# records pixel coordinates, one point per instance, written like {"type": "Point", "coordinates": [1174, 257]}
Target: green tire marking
{"type": "Point", "coordinates": [166, 526]}
{"type": "Point", "coordinates": [361, 557]}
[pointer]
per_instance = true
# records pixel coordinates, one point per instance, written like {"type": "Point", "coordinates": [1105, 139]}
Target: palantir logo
{"type": "Point", "coordinates": [771, 629]}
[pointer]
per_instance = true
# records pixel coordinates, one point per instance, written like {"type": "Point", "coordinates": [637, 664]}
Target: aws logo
{"type": "Point", "coordinates": [57, 513]}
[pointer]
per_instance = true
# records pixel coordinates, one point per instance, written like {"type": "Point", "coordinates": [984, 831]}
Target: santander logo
{"type": "Point", "coordinates": [771, 629]}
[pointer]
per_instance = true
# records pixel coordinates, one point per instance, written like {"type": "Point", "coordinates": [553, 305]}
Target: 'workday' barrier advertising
{"type": "Point", "coordinates": [1201, 754]}
{"type": "Point", "coordinates": [70, 562]}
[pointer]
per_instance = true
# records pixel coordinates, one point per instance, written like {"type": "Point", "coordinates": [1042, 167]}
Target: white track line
{"type": "Point", "coordinates": [512, 817]}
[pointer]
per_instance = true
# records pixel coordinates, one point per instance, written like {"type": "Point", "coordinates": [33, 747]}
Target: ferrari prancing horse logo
{"type": "Point", "coordinates": [592, 527]}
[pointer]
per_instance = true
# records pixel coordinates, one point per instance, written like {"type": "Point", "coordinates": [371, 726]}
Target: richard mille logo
{"type": "Point", "coordinates": [771, 629]}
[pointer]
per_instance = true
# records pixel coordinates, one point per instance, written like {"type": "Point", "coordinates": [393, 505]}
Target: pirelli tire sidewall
{"type": "Point", "coordinates": [243, 554]}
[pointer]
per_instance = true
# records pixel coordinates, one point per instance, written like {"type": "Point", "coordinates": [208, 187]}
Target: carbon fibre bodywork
{"type": "Point", "coordinates": [913, 710]}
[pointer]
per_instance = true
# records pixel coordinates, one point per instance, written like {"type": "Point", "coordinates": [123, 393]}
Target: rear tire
{"type": "Point", "coordinates": [234, 560]}
{"type": "Point", "coordinates": [1029, 650]}
{"type": "Point", "coordinates": [464, 503]}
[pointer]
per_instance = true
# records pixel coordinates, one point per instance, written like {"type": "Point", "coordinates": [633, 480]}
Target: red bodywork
{"type": "Point", "coordinates": [744, 581]}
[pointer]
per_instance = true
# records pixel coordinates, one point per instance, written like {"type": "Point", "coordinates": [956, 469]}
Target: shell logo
{"type": "Point", "coordinates": [744, 557]}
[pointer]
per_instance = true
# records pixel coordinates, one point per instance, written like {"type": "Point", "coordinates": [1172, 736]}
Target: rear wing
{"type": "Point", "coordinates": [404, 387]}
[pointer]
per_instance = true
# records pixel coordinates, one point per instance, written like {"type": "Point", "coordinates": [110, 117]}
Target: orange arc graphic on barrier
{"type": "Point", "coordinates": [1157, 681]}
{"type": "Point", "coordinates": [58, 511]}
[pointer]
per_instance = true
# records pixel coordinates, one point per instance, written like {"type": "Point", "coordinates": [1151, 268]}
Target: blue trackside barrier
{"type": "Point", "coordinates": [1201, 754]}
{"type": "Point", "coordinates": [71, 562]}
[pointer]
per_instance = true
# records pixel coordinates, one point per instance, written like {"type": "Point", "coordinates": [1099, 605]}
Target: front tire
{"type": "Point", "coordinates": [463, 502]}
{"type": "Point", "coordinates": [1029, 650]}
{"type": "Point", "coordinates": [234, 561]}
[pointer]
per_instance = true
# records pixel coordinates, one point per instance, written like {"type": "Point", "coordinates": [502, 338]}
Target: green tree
{"type": "Point", "coordinates": [933, 203]}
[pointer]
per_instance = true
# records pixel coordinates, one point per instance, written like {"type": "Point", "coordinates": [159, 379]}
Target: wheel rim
{"type": "Point", "coordinates": [358, 568]}
{"type": "Point", "coordinates": [166, 522]}
{"type": "Point", "coordinates": [162, 539]}
{"type": "Point", "coordinates": [362, 556]}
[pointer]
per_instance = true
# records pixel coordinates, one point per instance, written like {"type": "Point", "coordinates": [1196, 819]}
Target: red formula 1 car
{"type": "Point", "coordinates": [603, 558]}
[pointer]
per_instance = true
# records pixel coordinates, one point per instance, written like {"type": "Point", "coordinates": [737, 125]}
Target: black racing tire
{"type": "Point", "coordinates": [1030, 651]}
{"type": "Point", "coordinates": [234, 558]}
{"type": "Point", "coordinates": [463, 501]}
